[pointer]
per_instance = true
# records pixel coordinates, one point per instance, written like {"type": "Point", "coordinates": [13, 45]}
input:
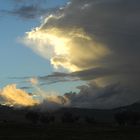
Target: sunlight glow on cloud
{"type": "Point", "coordinates": [12, 96]}
{"type": "Point", "coordinates": [16, 97]}
{"type": "Point", "coordinates": [60, 46]}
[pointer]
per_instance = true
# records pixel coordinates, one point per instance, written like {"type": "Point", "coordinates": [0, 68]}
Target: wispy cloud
{"type": "Point", "coordinates": [27, 9]}
{"type": "Point", "coordinates": [26, 12]}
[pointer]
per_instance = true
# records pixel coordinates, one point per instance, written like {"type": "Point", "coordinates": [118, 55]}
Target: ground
{"type": "Point", "coordinates": [15, 131]}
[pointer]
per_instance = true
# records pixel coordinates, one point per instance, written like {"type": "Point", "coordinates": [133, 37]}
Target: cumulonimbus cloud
{"type": "Point", "coordinates": [86, 35]}
{"type": "Point", "coordinates": [102, 35]}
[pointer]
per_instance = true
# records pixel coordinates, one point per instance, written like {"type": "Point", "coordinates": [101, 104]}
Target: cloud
{"type": "Point", "coordinates": [60, 48]}
{"type": "Point", "coordinates": [94, 40]}
{"type": "Point", "coordinates": [90, 96]}
{"type": "Point", "coordinates": [57, 77]}
{"type": "Point", "coordinates": [12, 96]}
{"type": "Point", "coordinates": [94, 96]}
{"type": "Point", "coordinates": [26, 9]}
{"type": "Point", "coordinates": [49, 100]}
{"type": "Point", "coordinates": [25, 87]}
{"type": "Point", "coordinates": [101, 35]}
{"type": "Point", "coordinates": [28, 12]}
{"type": "Point", "coordinates": [111, 94]}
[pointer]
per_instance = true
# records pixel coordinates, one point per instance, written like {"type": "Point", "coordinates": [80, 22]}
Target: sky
{"type": "Point", "coordinates": [67, 46]}
{"type": "Point", "coordinates": [17, 60]}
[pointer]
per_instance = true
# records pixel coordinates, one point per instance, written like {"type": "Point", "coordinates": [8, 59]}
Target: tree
{"type": "Point", "coordinates": [47, 118]}
{"type": "Point", "coordinates": [69, 118]}
{"type": "Point", "coordinates": [127, 117]}
{"type": "Point", "coordinates": [32, 117]}
{"type": "Point", "coordinates": [90, 119]}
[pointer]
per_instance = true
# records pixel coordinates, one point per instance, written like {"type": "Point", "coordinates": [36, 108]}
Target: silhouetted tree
{"type": "Point", "coordinates": [4, 121]}
{"type": "Point", "coordinates": [121, 118]}
{"type": "Point", "coordinates": [52, 118]}
{"type": "Point", "coordinates": [77, 118]}
{"type": "Point", "coordinates": [32, 117]}
{"type": "Point", "coordinates": [46, 118]}
{"type": "Point", "coordinates": [134, 118]}
{"type": "Point", "coordinates": [127, 117]}
{"type": "Point", "coordinates": [90, 119]}
{"type": "Point", "coordinates": [69, 118]}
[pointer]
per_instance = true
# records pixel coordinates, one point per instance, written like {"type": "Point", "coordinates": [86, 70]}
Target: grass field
{"type": "Point", "coordinates": [61, 131]}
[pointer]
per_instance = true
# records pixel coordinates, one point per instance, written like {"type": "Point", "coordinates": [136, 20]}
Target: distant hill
{"type": "Point", "coordinates": [133, 107]}
{"type": "Point", "coordinates": [101, 115]}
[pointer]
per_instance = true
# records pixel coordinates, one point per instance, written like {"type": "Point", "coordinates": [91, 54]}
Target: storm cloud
{"type": "Point", "coordinates": [94, 96]}
{"type": "Point", "coordinates": [95, 40]}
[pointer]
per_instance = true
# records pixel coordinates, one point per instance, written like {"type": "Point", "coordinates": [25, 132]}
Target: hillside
{"type": "Point", "coordinates": [100, 115]}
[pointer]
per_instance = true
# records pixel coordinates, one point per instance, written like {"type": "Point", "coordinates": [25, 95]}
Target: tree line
{"type": "Point", "coordinates": [121, 118]}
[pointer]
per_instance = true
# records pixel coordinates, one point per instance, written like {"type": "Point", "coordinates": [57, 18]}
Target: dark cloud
{"type": "Point", "coordinates": [28, 12]}
{"type": "Point", "coordinates": [104, 48]}
{"type": "Point", "coordinates": [114, 23]}
{"type": "Point", "coordinates": [89, 74]}
{"type": "Point", "coordinates": [93, 96]}
{"type": "Point", "coordinates": [28, 9]}
{"type": "Point", "coordinates": [84, 75]}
